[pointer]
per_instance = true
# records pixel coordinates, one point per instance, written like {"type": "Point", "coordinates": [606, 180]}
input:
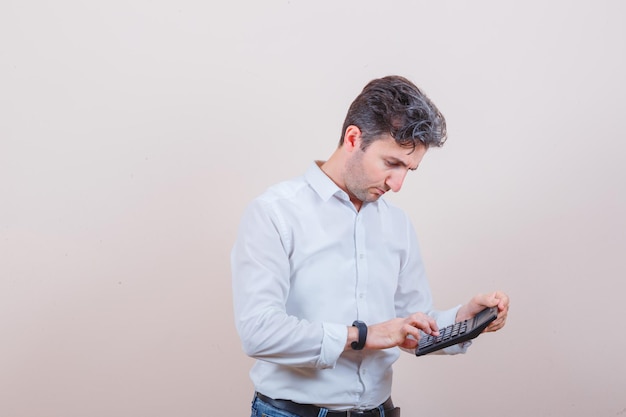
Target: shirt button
{"type": "Point", "coordinates": [361, 256]}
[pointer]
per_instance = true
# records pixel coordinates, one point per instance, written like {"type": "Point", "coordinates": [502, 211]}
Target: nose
{"type": "Point", "coordinates": [395, 180]}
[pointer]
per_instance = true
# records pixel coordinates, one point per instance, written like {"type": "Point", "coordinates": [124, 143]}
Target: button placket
{"type": "Point", "coordinates": [361, 265]}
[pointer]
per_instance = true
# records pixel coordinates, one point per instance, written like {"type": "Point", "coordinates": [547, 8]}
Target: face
{"type": "Point", "coordinates": [380, 168]}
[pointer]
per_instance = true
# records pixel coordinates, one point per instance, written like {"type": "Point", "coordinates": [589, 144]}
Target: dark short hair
{"type": "Point", "coordinates": [394, 105]}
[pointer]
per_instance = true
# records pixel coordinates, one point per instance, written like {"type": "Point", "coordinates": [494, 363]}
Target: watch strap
{"type": "Point", "coordinates": [362, 327]}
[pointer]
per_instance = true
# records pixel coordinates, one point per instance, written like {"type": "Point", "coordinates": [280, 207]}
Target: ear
{"type": "Point", "coordinates": [352, 138]}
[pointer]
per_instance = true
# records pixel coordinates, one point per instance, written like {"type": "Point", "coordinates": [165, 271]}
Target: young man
{"type": "Point", "coordinates": [319, 253]}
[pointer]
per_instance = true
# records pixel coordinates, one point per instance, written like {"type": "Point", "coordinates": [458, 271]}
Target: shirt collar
{"type": "Point", "coordinates": [322, 184]}
{"type": "Point", "coordinates": [326, 188]}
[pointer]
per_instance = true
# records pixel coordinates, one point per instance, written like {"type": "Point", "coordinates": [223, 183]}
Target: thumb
{"type": "Point", "coordinates": [488, 300]}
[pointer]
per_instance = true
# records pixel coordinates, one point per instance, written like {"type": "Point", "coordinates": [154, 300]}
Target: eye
{"type": "Point", "coordinates": [392, 164]}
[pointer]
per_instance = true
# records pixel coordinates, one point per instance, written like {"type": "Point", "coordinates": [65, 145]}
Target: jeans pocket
{"type": "Point", "coordinates": [262, 409]}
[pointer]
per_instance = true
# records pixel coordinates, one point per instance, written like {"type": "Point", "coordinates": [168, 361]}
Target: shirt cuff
{"type": "Point", "coordinates": [333, 343]}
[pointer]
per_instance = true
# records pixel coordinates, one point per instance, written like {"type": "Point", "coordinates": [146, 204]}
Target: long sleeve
{"type": "Point", "coordinates": [261, 285]}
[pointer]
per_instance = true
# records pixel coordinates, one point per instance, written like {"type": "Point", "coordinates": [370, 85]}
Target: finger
{"type": "Point", "coordinates": [432, 325]}
{"type": "Point", "coordinates": [503, 300]}
{"type": "Point", "coordinates": [481, 301]}
{"type": "Point", "coordinates": [425, 323]}
{"type": "Point", "coordinates": [409, 343]}
{"type": "Point", "coordinates": [411, 332]}
{"type": "Point", "coordinates": [497, 324]}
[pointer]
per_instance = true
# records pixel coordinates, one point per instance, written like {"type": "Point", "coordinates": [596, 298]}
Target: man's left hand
{"type": "Point", "coordinates": [480, 302]}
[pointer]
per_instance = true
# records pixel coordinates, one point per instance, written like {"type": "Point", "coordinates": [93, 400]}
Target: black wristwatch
{"type": "Point", "coordinates": [362, 335]}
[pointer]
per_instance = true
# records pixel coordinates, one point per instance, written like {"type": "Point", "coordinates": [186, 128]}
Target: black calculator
{"type": "Point", "coordinates": [456, 333]}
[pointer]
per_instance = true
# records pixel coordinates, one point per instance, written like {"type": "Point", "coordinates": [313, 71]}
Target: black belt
{"type": "Point", "coordinates": [309, 410]}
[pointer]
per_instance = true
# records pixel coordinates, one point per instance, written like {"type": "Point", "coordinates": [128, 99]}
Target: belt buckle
{"type": "Point", "coordinates": [359, 413]}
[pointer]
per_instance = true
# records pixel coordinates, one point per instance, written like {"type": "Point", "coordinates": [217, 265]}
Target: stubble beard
{"type": "Point", "coordinates": [356, 180]}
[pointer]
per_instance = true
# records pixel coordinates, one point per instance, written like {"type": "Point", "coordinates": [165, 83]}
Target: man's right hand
{"type": "Point", "coordinates": [401, 332]}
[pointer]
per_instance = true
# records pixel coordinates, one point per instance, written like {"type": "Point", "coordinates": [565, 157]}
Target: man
{"type": "Point", "coordinates": [319, 253]}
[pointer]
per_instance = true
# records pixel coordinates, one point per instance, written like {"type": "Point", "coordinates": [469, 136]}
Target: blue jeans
{"type": "Point", "coordinates": [262, 409]}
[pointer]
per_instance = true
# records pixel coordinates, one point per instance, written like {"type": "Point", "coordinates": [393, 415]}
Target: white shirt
{"type": "Point", "coordinates": [305, 265]}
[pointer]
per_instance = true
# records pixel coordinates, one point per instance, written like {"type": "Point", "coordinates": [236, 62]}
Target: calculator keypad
{"type": "Point", "coordinates": [446, 333]}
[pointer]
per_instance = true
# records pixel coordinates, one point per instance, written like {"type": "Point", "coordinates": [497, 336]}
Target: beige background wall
{"type": "Point", "coordinates": [133, 133]}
